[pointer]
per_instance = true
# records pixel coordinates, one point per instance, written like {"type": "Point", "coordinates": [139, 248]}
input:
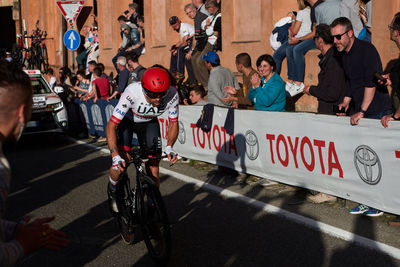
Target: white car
{"type": "Point", "coordinates": [48, 111]}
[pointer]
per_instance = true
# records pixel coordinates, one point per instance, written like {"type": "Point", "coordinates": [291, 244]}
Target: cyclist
{"type": "Point", "coordinates": [137, 111]}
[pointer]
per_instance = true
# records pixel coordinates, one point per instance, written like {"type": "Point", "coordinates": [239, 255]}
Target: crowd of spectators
{"type": "Point", "coordinates": [339, 29]}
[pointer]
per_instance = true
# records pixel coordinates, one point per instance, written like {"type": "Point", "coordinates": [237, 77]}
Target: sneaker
{"type": "Point", "coordinates": [321, 198]}
{"type": "Point", "coordinates": [296, 89]}
{"type": "Point", "coordinates": [288, 86]}
{"type": "Point", "coordinates": [102, 139]}
{"type": "Point", "coordinates": [360, 209]}
{"type": "Point", "coordinates": [373, 212]}
{"type": "Point", "coordinates": [266, 182]}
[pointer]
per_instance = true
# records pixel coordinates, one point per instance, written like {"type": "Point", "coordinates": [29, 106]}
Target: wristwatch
{"type": "Point", "coordinates": [363, 111]}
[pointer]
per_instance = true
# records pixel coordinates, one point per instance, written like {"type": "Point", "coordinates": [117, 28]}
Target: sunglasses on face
{"type": "Point", "coordinates": [339, 36]}
{"type": "Point", "coordinates": [153, 95]}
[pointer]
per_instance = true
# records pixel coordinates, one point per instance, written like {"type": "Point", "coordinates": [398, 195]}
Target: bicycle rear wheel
{"type": "Point", "coordinates": [154, 221]}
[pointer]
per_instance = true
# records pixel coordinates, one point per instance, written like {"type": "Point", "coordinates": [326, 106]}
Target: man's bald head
{"type": "Point", "coordinates": [15, 90]}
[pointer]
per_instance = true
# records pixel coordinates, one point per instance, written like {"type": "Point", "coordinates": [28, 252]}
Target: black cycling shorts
{"type": "Point", "coordinates": [148, 134]}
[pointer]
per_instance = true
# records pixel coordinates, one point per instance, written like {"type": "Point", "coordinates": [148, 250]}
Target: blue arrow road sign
{"type": "Point", "coordinates": [72, 40]}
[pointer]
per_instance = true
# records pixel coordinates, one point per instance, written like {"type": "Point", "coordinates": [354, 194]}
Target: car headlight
{"type": "Point", "coordinates": [56, 106]}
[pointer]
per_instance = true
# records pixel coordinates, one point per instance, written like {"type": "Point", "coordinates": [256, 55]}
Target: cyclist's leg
{"type": "Point", "coordinates": [115, 189]}
{"type": "Point", "coordinates": [150, 144]}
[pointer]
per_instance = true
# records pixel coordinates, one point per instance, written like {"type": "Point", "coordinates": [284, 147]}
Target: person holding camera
{"type": "Point", "coordinates": [196, 96]}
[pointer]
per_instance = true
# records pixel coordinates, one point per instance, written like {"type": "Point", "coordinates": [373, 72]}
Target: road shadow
{"type": "Point", "coordinates": [41, 176]}
{"type": "Point", "coordinates": [231, 151]}
{"type": "Point", "coordinates": [354, 255]}
{"type": "Point", "coordinates": [209, 230]}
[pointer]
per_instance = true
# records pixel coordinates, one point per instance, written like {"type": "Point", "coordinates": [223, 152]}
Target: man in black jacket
{"type": "Point", "coordinates": [393, 79]}
{"type": "Point", "coordinates": [331, 86]}
{"type": "Point", "coordinates": [331, 79]}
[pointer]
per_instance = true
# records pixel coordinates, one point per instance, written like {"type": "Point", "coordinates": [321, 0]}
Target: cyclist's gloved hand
{"type": "Point", "coordinates": [172, 155]}
{"type": "Point", "coordinates": [117, 161]}
{"type": "Point", "coordinates": [170, 152]}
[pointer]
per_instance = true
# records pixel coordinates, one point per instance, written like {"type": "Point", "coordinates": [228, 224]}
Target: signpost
{"type": "Point", "coordinates": [72, 40]}
{"type": "Point", "coordinates": [70, 10]}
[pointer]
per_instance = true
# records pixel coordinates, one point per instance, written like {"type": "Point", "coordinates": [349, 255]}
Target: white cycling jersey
{"type": "Point", "coordinates": [133, 100]}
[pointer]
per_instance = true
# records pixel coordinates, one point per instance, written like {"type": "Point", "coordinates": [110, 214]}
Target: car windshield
{"type": "Point", "coordinates": [39, 87]}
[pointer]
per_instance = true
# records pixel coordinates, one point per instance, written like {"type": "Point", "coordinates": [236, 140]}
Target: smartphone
{"type": "Point", "coordinates": [380, 78]}
{"type": "Point", "coordinates": [337, 110]}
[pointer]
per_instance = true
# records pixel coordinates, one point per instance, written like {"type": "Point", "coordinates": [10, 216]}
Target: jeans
{"type": "Point", "coordinates": [279, 55]}
{"type": "Point", "coordinates": [178, 61]}
{"type": "Point", "coordinates": [114, 59]}
{"type": "Point", "coordinates": [295, 59]}
{"type": "Point", "coordinates": [81, 59]}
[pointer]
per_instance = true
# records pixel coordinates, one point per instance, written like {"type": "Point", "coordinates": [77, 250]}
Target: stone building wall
{"type": "Point", "coordinates": [247, 25]}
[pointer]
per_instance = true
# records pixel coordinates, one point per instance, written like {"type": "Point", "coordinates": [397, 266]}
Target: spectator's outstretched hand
{"type": "Point", "coordinates": [345, 104]}
{"type": "Point", "coordinates": [388, 81]}
{"type": "Point", "coordinates": [355, 118]}
{"type": "Point", "coordinates": [385, 120]}
{"type": "Point", "coordinates": [293, 40]}
{"type": "Point", "coordinates": [228, 99]}
{"type": "Point", "coordinates": [230, 90]}
{"type": "Point", "coordinates": [306, 90]}
{"type": "Point", "coordinates": [38, 234]}
{"type": "Point", "coordinates": [188, 55]}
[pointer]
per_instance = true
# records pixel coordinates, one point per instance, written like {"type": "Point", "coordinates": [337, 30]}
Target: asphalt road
{"type": "Point", "coordinates": [54, 176]}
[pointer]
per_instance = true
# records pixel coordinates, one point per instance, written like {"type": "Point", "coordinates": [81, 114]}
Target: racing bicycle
{"type": "Point", "coordinates": [143, 207]}
{"type": "Point", "coordinates": [35, 56]}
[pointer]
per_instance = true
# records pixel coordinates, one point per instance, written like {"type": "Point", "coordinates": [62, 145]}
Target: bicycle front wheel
{"type": "Point", "coordinates": [154, 221]}
{"type": "Point", "coordinates": [125, 217]}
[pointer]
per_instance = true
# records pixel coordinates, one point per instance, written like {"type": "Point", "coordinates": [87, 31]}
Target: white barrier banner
{"type": "Point", "coordinates": [319, 152]}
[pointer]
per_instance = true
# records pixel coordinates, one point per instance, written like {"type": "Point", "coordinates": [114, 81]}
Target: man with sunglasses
{"type": "Point", "coordinates": [361, 62]}
{"type": "Point", "coordinates": [141, 103]}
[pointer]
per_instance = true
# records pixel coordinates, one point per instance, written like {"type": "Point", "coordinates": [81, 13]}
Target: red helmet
{"type": "Point", "coordinates": [155, 80]}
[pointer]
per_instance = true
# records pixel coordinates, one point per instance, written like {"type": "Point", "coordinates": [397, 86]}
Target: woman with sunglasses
{"type": "Point", "coordinates": [137, 111]}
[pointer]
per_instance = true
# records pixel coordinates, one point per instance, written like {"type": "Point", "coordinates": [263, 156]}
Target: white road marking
{"type": "Point", "coordinates": [313, 224]}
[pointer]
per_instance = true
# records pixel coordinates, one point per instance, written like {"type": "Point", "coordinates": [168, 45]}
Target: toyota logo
{"type": "Point", "coordinates": [181, 134]}
{"type": "Point", "coordinates": [252, 148]}
{"type": "Point", "coordinates": [368, 165]}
